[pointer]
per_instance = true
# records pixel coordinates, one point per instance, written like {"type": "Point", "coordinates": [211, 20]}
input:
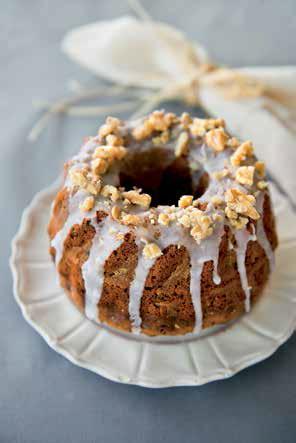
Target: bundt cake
{"type": "Point", "coordinates": [163, 225]}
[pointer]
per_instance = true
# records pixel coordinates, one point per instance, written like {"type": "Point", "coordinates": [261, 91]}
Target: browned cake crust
{"type": "Point", "coordinates": [166, 306]}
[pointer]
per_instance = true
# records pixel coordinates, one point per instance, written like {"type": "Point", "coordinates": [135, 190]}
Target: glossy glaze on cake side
{"type": "Point", "coordinates": [159, 268]}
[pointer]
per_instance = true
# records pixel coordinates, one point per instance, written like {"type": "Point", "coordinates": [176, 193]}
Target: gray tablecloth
{"type": "Point", "coordinates": [43, 397]}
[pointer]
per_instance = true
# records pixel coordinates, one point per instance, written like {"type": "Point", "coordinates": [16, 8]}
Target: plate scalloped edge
{"type": "Point", "coordinates": [251, 339]}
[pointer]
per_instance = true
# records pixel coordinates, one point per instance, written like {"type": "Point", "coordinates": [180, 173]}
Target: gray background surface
{"type": "Point", "coordinates": [43, 397]}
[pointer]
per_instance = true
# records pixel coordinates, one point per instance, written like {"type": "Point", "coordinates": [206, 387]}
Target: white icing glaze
{"type": "Point", "coordinates": [261, 234]}
{"type": "Point", "coordinates": [137, 287]}
{"type": "Point", "coordinates": [243, 237]}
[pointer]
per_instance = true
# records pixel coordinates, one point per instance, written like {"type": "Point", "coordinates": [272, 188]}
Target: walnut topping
{"type": "Point", "coordinates": [110, 153]}
{"type": "Point", "coordinates": [112, 125]}
{"type": "Point", "coordinates": [157, 121]}
{"type": "Point", "coordinates": [241, 203]}
{"type": "Point", "coordinates": [216, 200]}
{"type": "Point", "coordinates": [151, 250]}
{"type": "Point", "coordinates": [195, 219]}
{"type": "Point", "coordinates": [262, 185]}
{"type": "Point", "coordinates": [164, 219]}
{"type": "Point", "coordinates": [161, 121]}
{"type": "Point", "coordinates": [182, 144]}
{"type": "Point", "coordinates": [99, 166]}
{"type": "Point", "coordinates": [217, 217]}
{"type": "Point", "coordinates": [87, 204]}
{"type": "Point", "coordinates": [162, 139]}
{"type": "Point", "coordinates": [260, 169]}
{"type": "Point", "coordinates": [78, 178]}
{"type": "Point", "coordinates": [130, 219]}
{"type": "Point", "coordinates": [239, 223]}
{"type": "Point", "coordinates": [110, 191]}
{"type": "Point", "coordinates": [114, 140]}
{"type": "Point", "coordinates": [245, 175]}
{"type": "Point", "coordinates": [185, 201]}
{"type": "Point", "coordinates": [137, 199]}
{"type": "Point", "coordinates": [143, 131]}
{"type": "Point", "coordinates": [230, 213]}
{"type": "Point", "coordinates": [217, 139]}
{"type": "Point", "coordinates": [233, 143]}
{"type": "Point", "coordinates": [81, 179]}
{"type": "Point", "coordinates": [243, 151]}
{"type": "Point", "coordinates": [116, 212]}
{"type": "Point", "coordinates": [219, 175]}
{"type": "Point", "coordinates": [199, 126]}
{"type": "Point", "coordinates": [202, 229]}
{"type": "Point", "coordinates": [185, 120]}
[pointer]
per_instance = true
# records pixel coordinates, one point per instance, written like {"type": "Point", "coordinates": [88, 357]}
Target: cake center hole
{"type": "Point", "coordinates": [163, 176]}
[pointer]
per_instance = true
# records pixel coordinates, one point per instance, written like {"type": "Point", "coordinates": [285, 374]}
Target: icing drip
{"type": "Point", "coordinates": [243, 237]}
{"type": "Point", "coordinates": [137, 287]}
{"type": "Point", "coordinates": [104, 243]}
{"type": "Point", "coordinates": [75, 217]}
{"type": "Point", "coordinates": [261, 235]}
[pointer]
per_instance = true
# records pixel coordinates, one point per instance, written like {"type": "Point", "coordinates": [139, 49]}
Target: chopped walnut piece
{"type": "Point", "coordinates": [202, 229]}
{"type": "Point", "coordinates": [239, 223]}
{"type": "Point", "coordinates": [110, 191]}
{"type": "Point", "coordinates": [156, 121]}
{"type": "Point", "coordinates": [130, 219]}
{"type": "Point", "coordinates": [137, 199]}
{"type": "Point", "coordinates": [162, 139]}
{"type": "Point", "coordinates": [161, 121]}
{"type": "Point", "coordinates": [114, 140]}
{"type": "Point", "coordinates": [185, 120]}
{"type": "Point", "coordinates": [230, 213]}
{"type": "Point", "coordinates": [142, 131]}
{"type": "Point", "coordinates": [217, 217]}
{"type": "Point", "coordinates": [99, 166]}
{"type": "Point", "coordinates": [262, 185]}
{"type": "Point", "coordinates": [185, 221]}
{"type": "Point", "coordinates": [199, 126]}
{"type": "Point", "coordinates": [216, 200]}
{"type": "Point", "coordinates": [241, 203]}
{"type": "Point", "coordinates": [219, 175]}
{"type": "Point", "coordinates": [78, 178]}
{"type": "Point", "coordinates": [182, 144]}
{"type": "Point", "coordinates": [217, 139]}
{"type": "Point", "coordinates": [151, 250]}
{"type": "Point", "coordinates": [94, 186]}
{"type": "Point", "coordinates": [111, 125]}
{"type": "Point", "coordinates": [116, 212]}
{"type": "Point", "coordinates": [110, 153]}
{"type": "Point", "coordinates": [260, 169]}
{"type": "Point", "coordinates": [185, 201]}
{"type": "Point", "coordinates": [164, 219]}
{"type": "Point", "coordinates": [87, 204]}
{"type": "Point", "coordinates": [245, 175]}
{"type": "Point", "coordinates": [243, 151]}
{"type": "Point", "coordinates": [233, 142]}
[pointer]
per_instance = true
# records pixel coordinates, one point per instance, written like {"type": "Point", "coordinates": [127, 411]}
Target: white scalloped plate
{"type": "Point", "coordinates": [249, 340]}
